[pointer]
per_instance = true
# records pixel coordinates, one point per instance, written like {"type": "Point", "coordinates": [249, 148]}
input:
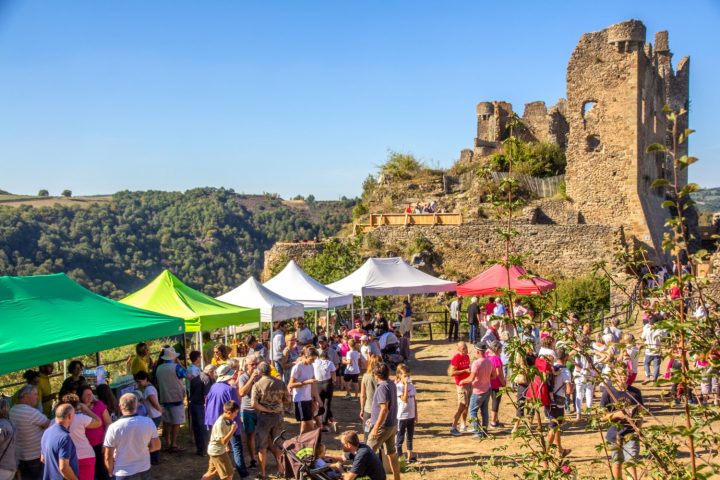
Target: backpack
{"type": "Point", "coordinates": [539, 390]}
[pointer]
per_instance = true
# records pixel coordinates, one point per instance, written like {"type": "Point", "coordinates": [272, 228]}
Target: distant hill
{"type": "Point", "coordinates": [212, 238]}
{"type": "Point", "coordinates": [708, 199]}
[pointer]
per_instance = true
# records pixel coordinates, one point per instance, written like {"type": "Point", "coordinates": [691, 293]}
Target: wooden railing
{"type": "Point", "coordinates": [407, 219]}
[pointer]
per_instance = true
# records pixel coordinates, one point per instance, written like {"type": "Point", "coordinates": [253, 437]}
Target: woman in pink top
{"type": "Point", "coordinates": [497, 382]}
{"type": "Point", "coordinates": [96, 435]}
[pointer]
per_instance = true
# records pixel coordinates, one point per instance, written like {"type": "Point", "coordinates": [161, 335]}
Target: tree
{"type": "Point", "coordinates": [66, 193]}
{"type": "Point", "coordinates": [43, 193]}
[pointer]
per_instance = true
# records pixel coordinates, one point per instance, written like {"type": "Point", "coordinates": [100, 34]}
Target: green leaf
{"type": "Point", "coordinates": [656, 147]}
{"type": "Point", "coordinates": [660, 182]}
{"type": "Point", "coordinates": [667, 204]}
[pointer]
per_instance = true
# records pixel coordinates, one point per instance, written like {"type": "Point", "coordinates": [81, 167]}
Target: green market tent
{"type": "Point", "coordinates": [46, 318]}
{"type": "Point", "coordinates": [167, 294]}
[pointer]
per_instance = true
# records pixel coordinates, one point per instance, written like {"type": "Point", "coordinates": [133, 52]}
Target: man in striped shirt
{"type": "Point", "coordinates": [30, 425]}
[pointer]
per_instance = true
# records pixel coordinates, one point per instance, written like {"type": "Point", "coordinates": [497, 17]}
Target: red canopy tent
{"type": "Point", "coordinates": [496, 277]}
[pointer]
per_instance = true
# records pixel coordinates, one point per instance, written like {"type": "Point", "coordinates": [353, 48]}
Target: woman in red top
{"type": "Point", "coordinates": [497, 382]}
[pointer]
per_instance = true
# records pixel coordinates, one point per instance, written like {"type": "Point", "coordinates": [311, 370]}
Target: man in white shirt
{"type": "Point", "coordinates": [30, 424]}
{"type": "Point", "coordinates": [129, 441]}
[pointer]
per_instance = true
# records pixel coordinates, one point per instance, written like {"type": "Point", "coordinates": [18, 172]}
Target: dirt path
{"type": "Point", "coordinates": [441, 455]}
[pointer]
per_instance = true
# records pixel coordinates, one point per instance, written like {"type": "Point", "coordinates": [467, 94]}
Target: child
{"type": "Point", "coordinates": [352, 369]}
{"type": "Point", "coordinates": [222, 431]}
{"type": "Point", "coordinates": [364, 348]}
{"type": "Point", "coordinates": [321, 460]}
{"type": "Point", "coordinates": [406, 411]}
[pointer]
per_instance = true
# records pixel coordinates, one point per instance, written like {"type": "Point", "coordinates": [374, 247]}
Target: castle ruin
{"type": "Point", "coordinates": [617, 85]}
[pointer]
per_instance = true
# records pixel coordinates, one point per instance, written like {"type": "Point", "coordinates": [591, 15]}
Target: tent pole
{"type": "Point", "coordinates": [97, 359]}
{"type": "Point", "coordinates": [226, 334]}
{"type": "Point", "coordinates": [64, 369]}
{"type": "Point", "coordinates": [202, 354]}
{"type": "Point", "coordinates": [362, 306]}
{"type": "Point", "coordinates": [270, 340]}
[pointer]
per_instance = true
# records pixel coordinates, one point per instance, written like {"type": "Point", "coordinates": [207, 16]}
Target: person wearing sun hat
{"type": "Point", "coordinates": [170, 380]}
{"type": "Point", "coordinates": [219, 394]}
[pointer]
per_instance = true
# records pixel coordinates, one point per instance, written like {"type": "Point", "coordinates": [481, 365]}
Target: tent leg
{"type": "Point", "coordinates": [270, 341]}
{"type": "Point", "coordinates": [198, 337]}
{"type": "Point", "coordinates": [362, 306]}
{"type": "Point", "coordinates": [64, 369]}
{"type": "Point", "coordinates": [226, 334]}
{"type": "Point", "coordinates": [97, 359]}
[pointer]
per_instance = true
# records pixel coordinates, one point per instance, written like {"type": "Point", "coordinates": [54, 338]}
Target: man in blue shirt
{"type": "Point", "coordinates": [58, 449]}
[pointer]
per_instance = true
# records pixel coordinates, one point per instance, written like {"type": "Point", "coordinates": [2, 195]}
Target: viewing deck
{"type": "Point", "coordinates": [407, 219]}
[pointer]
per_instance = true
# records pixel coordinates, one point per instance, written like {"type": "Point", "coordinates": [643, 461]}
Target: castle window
{"type": "Point", "coordinates": [642, 112]}
{"type": "Point", "coordinates": [592, 143]}
{"type": "Point", "coordinates": [587, 107]}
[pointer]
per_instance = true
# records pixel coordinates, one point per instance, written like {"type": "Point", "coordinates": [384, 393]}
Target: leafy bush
{"type": "Point", "coordinates": [338, 259]}
{"type": "Point", "coordinates": [359, 210]}
{"type": "Point", "coordinates": [43, 193]}
{"type": "Point", "coordinates": [583, 294]}
{"type": "Point", "coordinates": [530, 158]}
{"type": "Point", "coordinates": [66, 193]}
{"type": "Point", "coordinates": [401, 166]}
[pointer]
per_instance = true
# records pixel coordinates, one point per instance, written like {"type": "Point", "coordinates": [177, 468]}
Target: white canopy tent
{"type": "Point", "coordinates": [273, 307]}
{"type": "Point", "coordinates": [293, 283]}
{"type": "Point", "coordinates": [390, 276]}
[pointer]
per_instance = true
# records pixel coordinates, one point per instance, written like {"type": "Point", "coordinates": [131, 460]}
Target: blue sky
{"type": "Point", "coordinates": [293, 97]}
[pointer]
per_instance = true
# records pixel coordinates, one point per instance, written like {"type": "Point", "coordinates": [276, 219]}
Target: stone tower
{"type": "Point", "coordinates": [616, 89]}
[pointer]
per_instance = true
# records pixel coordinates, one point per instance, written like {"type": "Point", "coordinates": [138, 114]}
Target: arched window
{"type": "Point", "coordinates": [587, 107]}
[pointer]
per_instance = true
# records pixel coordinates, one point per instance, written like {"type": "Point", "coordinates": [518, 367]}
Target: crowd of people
{"type": "Point", "coordinates": [236, 405]}
{"type": "Point", "coordinates": [565, 367]}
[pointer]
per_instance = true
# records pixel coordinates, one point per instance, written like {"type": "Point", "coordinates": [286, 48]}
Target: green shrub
{"type": "Point", "coordinates": [401, 166]}
{"type": "Point", "coordinates": [583, 294]}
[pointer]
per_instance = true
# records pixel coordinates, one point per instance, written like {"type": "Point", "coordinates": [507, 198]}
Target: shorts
{"type": "Point", "coordinates": [221, 466]}
{"type": "Point", "coordinates": [269, 426]}
{"type": "Point", "coordinates": [303, 410]}
{"type": "Point", "coordinates": [351, 378]}
{"type": "Point", "coordinates": [704, 388]}
{"type": "Point", "coordinates": [249, 420]}
{"type": "Point", "coordinates": [629, 453]}
{"type": "Point", "coordinates": [173, 414]}
{"type": "Point", "coordinates": [555, 415]}
{"type": "Point", "coordinates": [386, 436]}
{"type": "Point", "coordinates": [463, 394]}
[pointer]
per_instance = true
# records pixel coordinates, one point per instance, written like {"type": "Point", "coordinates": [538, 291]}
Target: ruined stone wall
{"type": "Point", "coordinates": [281, 252]}
{"type": "Point", "coordinates": [616, 87]}
{"type": "Point", "coordinates": [462, 251]}
{"type": "Point", "coordinates": [553, 250]}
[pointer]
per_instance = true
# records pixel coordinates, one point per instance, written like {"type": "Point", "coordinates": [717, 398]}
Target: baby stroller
{"type": "Point", "coordinates": [389, 347]}
{"type": "Point", "coordinates": [298, 455]}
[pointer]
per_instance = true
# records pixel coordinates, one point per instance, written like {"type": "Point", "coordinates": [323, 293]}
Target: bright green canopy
{"type": "Point", "coordinates": [167, 294]}
{"type": "Point", "coordinates": [46, 318]}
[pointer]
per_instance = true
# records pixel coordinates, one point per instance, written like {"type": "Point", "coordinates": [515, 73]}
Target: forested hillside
{"type": "Point", "coordinates": [211, 238]}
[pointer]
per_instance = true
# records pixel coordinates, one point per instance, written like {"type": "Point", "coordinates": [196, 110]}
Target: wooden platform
{"type": "Point", "coordinates": [407, 219]}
